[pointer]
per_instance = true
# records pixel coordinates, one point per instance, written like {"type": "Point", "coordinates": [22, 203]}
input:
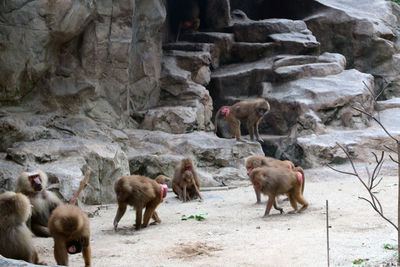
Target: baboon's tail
{"type": "Point", "coordinates": [300, 169]}
{"type": "Point", "coordinates": [216, 119]}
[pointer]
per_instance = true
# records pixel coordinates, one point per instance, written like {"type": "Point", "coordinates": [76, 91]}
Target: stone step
{"type": "Point", "coordinates": [296, 41]}
{"type": "Point", "coordinates": [222, 41]}
{"type": "Point", "coordinates": [188, 46]}
{"type": "Point", "coordinates": [187, 59]}
{"type": "Point", "coordinates": [195, 47]}
{"type": "Point", "coordinates": [197, 63]}
{"type": "Point", "coordinates": [247, 52]}
{"type": "Point", "coordinates": [208, 37]}
{"type": "Point", "coordinates": [289, 67]}
{"type": "Point", "coordinates": [388, 104]}
{"type": "Point", "coordinates": [307, 70]}
{"type": "Point", "coordinates": [236, 80]}
{"type": "Point", "coordinates": [260, 31]}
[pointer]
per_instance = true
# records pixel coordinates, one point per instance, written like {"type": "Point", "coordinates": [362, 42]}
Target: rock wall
{"type": "Point", "coordinates": [96, 85]}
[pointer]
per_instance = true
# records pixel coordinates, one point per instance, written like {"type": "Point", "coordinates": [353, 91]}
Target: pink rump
{"type": "Point", "coordinates": [300, 177]}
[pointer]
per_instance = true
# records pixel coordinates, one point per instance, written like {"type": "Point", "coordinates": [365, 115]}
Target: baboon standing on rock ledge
{"type": "Point", "coordinates": [250, 110]}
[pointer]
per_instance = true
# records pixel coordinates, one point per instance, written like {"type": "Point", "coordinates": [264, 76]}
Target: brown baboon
{"type": "Point", "coordinates": [277, 181]}
{"type": "Point", "coordinates": [162, 179]}
{"type": "Point", "coordinates": [251, 110]}
{"type": "Point", "coordinates": [140, 192]}
{"type": "Point", "coordinates": [189, 18]}
{"type": "Point", "coordinates": [253, 162]}
{"type": "Point", "coordinates": [70, 229]}
{"type": "Point", "coordinates": [69, 226]}
{"type": "Point", "coordinates": [15, 237]}
{"type": "Point", "coordinates": [186, 183]}
{"type": "Point", "coordinates": [33, 185]}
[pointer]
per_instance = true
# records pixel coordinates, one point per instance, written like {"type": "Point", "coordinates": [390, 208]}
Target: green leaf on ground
{"type": "Point", "coordinates": [198, 217]}
{"type": "Point", "coordinates": [389, 247]}
{"type": "Point", "coordinates": [359, 261]}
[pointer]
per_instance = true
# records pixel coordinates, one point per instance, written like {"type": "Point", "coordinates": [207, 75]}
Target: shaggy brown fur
{"type": "Point", "coordinates": [186, 183]}
{"type": "Point", "coordinates": [251, 110]}
{"type": "Point", "coordinates": [43, 201]}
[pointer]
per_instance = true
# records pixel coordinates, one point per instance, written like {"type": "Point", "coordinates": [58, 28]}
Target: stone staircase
{"type": "Point", "coordinates": [311, 94]}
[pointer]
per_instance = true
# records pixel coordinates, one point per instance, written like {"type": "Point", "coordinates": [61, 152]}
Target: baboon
{"type": "Point", "coordinates": [189, 18]}
{"type": "Point", "coordinates": [69, 226]}
{"type": "Point", "coordinates": [70, 229]}
{"type": "Point", "coordinates": [140, 192]}
{"type": "Point", "coordinates": [15, 237]}
{"type": "Point", "coordinates": [162, 179]}
{"type": "Point", "coordinates": [253, 162]}
{"type": "Point", "coordinates": [186, 183]}
{"type": "Point", "coordinates": [277, 181]}
{"type": "Point", "coordinates": [33, 185]}
{"type": "Point", "coordinates": [250, 110]}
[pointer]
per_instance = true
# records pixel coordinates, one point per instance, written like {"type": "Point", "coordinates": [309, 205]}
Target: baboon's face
{"type": "Point", "coordinates": [36, 182]}
{"type": "Point", "coordinates": [262, 108]}
{"type": "Point", "coordinates": [187, 164]}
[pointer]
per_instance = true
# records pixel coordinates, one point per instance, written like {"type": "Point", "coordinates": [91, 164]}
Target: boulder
{"type": "Point", "coordinates": [311, 104]}
{"type": "Point", "coordinates": [364, 32]}
{"type": "Point", "coordinates": [30, 35]}
{"type": "Point", "coordinates": [68, 159]}
{"type": "Point", "coordinates": [160, 152]}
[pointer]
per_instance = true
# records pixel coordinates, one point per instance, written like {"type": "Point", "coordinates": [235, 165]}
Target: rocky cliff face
{"type": "Point", "coordinates": [111, 86]}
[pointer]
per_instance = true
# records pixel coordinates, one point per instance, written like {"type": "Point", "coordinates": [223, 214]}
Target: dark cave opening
{"type": "Point", "coordinates": [183, 15]}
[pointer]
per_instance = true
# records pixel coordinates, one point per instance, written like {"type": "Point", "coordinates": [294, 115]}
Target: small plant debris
{"type": "Point", "coordinates": [198, 217]}
{"type": "Point", "coordinates": [389, 247]}
{"type": "Point", "coordinates": [359, 261]}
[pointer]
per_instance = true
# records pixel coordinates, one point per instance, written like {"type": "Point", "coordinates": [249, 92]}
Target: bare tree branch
{"type": "Point", "coordinates": [348, 173]}
{"type": "Point", "coordinates": [395, 161]}
{"type": "Point", "coordinates": [390, 149]}
{"type": "Point", "coordinates": [386, 219]}
{"type": "Point", "coordinates": [380, 124]}
{"type": "Point", "coordinates": [371, 184]}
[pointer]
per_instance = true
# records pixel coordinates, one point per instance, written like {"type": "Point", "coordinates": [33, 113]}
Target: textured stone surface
{"type": "Point", "coordinates": [313, 103]}
{"type": "Point", "coordinates": [68, 160]}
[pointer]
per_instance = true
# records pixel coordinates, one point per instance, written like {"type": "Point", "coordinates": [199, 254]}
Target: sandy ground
{"type": "Point", "coordinates": [235, 234]}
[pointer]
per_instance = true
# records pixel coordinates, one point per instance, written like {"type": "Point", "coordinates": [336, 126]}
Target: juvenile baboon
{"type": "Point", "coordinates": [15, 237]}
{"type": "Point", "coordinates": [253, 162]}
{"type": "Point", "coordinates": [186, 183]}
{"type": "Point", "coordinates": [140, 192]}
{"type": "Point", "coordinates": [250, 110]}
{"type": "Point", "coordinates": [277, 181]}
{"type": "Point", "coordinates": [33, 185]}
{"type": "Point", "coordinates": [70, 229]}
{"type": "Point", "coordinates": [69, 226]}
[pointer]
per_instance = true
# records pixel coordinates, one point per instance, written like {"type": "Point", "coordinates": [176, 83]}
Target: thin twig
{"type": "Point", "coordinates": [327, 231]}
{"type": "Point", "coordinates": [375, 119]}
{"type": "Point", "coordinates": [374, 201]}
{"type": "Point", "coordinates": [395, 161]}
{"type": "Point", "coordinates": [390, 149]}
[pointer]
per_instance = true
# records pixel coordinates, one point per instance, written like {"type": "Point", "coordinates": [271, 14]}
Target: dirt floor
{"type": "Point", "coordinates": [235, 234]}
